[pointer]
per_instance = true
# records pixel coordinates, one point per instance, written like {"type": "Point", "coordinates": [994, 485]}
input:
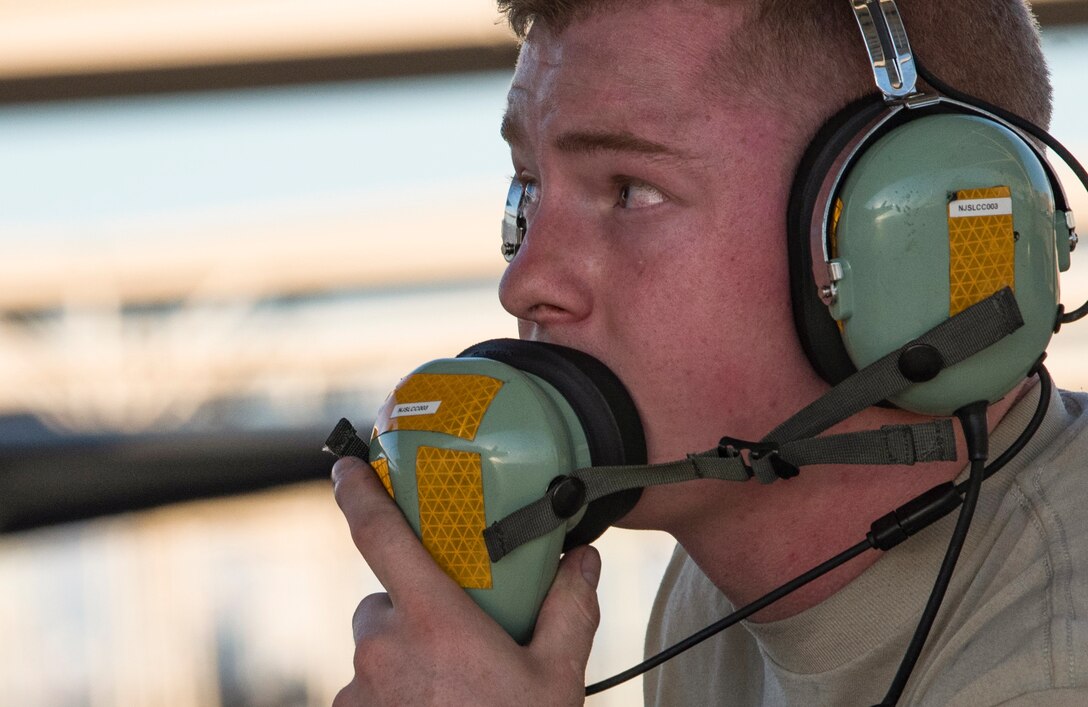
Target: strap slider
{"type": "Point", "coordinates": [732, 448]}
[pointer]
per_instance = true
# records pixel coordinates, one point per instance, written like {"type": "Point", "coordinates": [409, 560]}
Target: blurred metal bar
{"type": "Point", "coordinates": [284, 72]}
{"type": "Point", "coordinates": [1061, 12]}
{"type": "Point", "coordinates": [347, 67]}
{"type": "Point", "coordinates": [47, 481]}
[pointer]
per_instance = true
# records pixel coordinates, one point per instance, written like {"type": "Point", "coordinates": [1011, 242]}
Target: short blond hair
{"type": "Point", "coordinates": [788, 48]}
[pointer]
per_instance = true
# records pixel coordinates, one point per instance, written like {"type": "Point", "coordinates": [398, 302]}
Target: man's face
{"type": "Point", "coordinates": [656, 232]}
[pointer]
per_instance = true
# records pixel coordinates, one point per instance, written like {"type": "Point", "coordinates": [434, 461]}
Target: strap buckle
{"type": "Point", "coordinates": [732, 448]}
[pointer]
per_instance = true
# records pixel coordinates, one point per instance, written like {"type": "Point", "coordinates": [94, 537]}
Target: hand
{"type": "Point", "coordinates": [427, 643]}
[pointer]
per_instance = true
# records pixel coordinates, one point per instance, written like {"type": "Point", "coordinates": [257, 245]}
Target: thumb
{"type": "Point", "coordinates": [570, 613]}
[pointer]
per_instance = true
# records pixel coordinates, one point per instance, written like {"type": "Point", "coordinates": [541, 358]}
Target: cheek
{"type": "Point", "coordinates": [722, 286]}
{"type": "Point", "coordinates": [674, 324]}
{"type": "Point", "coordinates": [702, 326]}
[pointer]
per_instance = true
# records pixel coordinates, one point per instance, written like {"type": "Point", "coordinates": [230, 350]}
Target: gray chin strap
{"type": "Point", "coordinates": [794, 443]}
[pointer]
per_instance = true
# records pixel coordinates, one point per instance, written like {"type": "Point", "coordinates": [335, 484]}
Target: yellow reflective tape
{"type": "Point", "coordinates": [451, 514]}
{"type": "Point", "coordinates": [982, 246]}
{"type": "Point", "coordinates": [833, 245]}
{"type": "Point", "coordinates": [833, 229]}
{"type": "Point", "coordinates": [381, 465]}
{"type": "Point", "coordinates": [452, 404]}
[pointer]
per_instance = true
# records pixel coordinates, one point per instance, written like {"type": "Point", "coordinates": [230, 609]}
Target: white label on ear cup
{"type": "Point", "coordinates": [409, 409]}
{"type": "Point", "coordinates": [998, 206]}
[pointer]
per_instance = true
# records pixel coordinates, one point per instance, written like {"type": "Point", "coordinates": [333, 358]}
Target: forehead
{"type": "Point", "coordinates": [651, 64]}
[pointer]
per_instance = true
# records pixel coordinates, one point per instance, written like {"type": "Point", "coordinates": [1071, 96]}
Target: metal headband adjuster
{"type": "Point", "coordinates": [889, 51]}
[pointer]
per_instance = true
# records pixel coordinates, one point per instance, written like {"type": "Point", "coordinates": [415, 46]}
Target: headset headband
{"type": "Point", "coordinates": [889, 50]}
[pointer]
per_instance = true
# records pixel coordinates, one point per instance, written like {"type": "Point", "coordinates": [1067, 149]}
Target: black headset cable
{"type": "Point", "coordinates": [975, 431]}
{"type": "Point", "coordinates": [724, 623]}
{"type": "Point", "coordinates": [973, 421]}
{"type": "Point", "coordinates": [886, 532]}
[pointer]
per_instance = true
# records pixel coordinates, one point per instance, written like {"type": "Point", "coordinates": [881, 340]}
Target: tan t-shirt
{"type": "Point", "coordinates": [1013, 628]}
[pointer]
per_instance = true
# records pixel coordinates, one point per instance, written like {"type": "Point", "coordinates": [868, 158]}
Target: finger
{"type": "Point", "coordinates": [371, 616]}
{"type": "Point", "coordinates": [570, 613]}
{"type": "Point", "coordinates": [383, 536]}
{"type": "Point", "coordinates": [346, 697]}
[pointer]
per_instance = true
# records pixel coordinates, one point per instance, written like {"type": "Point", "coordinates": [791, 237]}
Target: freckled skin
{"type": "Point", "coordinates": [688, 293]}
{"type": "Point", "coordinates": [687, 300]}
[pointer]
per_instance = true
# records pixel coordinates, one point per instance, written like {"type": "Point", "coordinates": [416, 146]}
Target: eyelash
{"type": "Point", "coordinates": [620, 182]}
{"type": "Point", "coordinates": [523, 180]}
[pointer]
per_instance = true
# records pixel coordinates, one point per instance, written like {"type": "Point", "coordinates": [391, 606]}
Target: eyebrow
{"type": "Point", "coordinates": [619, 141]}
{"type": "Point", "coordinates": [510, 129]}
{"type": "Point", "coordinates": [590, 141]}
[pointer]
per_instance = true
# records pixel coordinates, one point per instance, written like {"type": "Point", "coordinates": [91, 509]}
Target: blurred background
{"type": "Point", "coordinates": [224, 225]}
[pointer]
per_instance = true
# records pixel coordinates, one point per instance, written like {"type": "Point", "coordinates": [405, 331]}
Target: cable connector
{"type": "Point", "coordinates": [344, 441]}
{"type": "Point", "coordinates": [972, 419]}
{"type": "Point", "coordinates": [920, 512]}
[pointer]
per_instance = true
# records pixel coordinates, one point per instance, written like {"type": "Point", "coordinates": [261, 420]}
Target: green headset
{"type": "Point", "coordinates": [909, 206]}
{"type": "Point", "coordinates": [900, 215]}
{"type": "Point", "coordinates": [925, 235]}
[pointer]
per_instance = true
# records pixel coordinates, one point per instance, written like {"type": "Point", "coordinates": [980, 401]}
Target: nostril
{"type": "Point", "coordinates": [544, 312]}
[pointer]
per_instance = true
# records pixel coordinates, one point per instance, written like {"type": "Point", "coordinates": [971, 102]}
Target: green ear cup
{"type": "Point", "coordinates": [905, 261]}
{"type": "Point", "coordinates": [462, 443]}
{"type": "Point", "coordinates": [477, 440]}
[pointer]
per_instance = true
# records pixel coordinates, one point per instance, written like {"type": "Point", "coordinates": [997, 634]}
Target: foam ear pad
{"type": "Point", "coordinates": [817, 330]}
{"type": "Point", "coordinates": [603, 406]}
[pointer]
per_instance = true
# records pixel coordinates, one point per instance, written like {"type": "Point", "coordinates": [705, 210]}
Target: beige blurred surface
{"type": "Point", "coordinates": [69, 36]}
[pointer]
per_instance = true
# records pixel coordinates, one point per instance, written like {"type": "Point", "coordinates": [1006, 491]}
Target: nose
{"type": "Point", "coordinates": [550, 280]}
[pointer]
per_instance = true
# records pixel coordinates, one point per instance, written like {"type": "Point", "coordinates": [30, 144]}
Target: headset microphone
{"type": "Point", "coordinates": [463, 442]}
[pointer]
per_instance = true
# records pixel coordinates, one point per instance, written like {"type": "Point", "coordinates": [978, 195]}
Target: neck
{"type": "Point", "coordinates": [750, 538]}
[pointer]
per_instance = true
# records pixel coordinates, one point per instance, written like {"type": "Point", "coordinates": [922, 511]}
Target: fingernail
{"type": "Point", "coordinates": [341, 466]}
{"type": "Point", "coordinates": [591, 566]}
